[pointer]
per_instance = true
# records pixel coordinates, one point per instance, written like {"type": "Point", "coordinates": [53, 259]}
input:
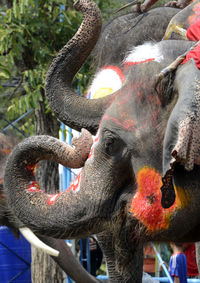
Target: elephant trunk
{"type": "Point", "coordinates": [67, 261]}
{"type": "Point", "coordinates": [76, 111]}
{"type": "Point", "coordinates": [53, 215]}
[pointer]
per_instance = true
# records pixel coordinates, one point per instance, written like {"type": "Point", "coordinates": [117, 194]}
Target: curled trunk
{"type": "Point", "coordinates": [50, 215]}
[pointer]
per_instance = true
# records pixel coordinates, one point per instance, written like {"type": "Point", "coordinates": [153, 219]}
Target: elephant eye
{"type": "Point", "coordinates": [111, 146]}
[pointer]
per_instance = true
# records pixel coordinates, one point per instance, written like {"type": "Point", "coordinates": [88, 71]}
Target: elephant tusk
{"type": "Point", "coordinates": [36, 242]}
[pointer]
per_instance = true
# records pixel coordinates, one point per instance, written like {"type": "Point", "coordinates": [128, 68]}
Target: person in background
{"type": "Point", "coordinates": [178, 264]}
{"type": "Point", "coordinates": [190, 252]}
{"type": "Point", "coordinates": [149, 262]}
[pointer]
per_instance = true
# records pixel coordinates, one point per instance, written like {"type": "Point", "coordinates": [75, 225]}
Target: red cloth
{"type": "Point", "coordinates": [195, 54]}
{"type": "Point", "coordinates": [193, 33]}
{"type": "Point", "coordinates": [190, 253]}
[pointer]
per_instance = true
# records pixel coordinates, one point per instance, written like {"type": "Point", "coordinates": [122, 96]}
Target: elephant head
{"type": "Point", "coordinates": [118, 192]}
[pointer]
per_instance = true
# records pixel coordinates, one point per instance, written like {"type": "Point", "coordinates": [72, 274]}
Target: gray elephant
{"type": "Point", "coordinates": [65, 259]}
{"type": "Point", "coordinates": [140, 176]}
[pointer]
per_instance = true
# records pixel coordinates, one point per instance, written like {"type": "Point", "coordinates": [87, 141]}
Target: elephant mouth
{"type": "Point", "coordinates": [121, 198]}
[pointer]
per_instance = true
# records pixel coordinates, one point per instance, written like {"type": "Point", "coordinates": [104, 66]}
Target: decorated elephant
{"type": "Point", "coordinates": [120, 34]}
{"type": "Point", "coordinates": [140, 176]}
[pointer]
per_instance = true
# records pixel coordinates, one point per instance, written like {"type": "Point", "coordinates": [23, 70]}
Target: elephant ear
{"type": "Point", "coordinates": [182, 136]}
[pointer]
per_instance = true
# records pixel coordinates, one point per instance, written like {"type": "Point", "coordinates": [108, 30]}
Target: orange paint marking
{"type": "Point", "coordinates": [146, 203]}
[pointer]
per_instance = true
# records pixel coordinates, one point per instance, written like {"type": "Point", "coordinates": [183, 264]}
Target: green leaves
{"type": "Point", "coordinates": [31, 34]}
{"type": "Point", "coordinates": [4, 72]}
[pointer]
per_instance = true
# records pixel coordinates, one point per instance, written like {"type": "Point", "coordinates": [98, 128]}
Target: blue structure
{"type": "Point", "coordinates": [66, 175]}
{"type": "Point", "coordinates": [15, 259]}
{"type": "Point", "coordinates": [85, 253]}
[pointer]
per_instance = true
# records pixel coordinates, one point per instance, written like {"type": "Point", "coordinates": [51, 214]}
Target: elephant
{"type": "Point", "coordinates": [66, 260]}
{"type": "Point", "coordinates": [125, 31]}
{"type": "Point", "coordinates": [140, 176]}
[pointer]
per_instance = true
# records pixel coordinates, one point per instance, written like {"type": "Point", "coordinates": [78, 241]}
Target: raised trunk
{"type": "Point", "coordinates": [76, 111]}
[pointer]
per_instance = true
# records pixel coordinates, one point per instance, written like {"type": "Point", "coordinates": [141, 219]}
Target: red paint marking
{"type": "Point", "coordinates": [96, 139]}
{"type": "Point", "coordinates": [75, 186]}
{"type": "Point", "coordinates": [116, 70]}
{"type": "Point", "coordinates": [92, 148]}
{"type": "Point", "coordinates": [52, 199]}
{"type": "Point", "coordinates": [128, 125]}
{"type": "Point", "coordinates": [34, 187]}
{"type": "Point", "coordinates": [131, 63]}
{"type": "Point", "coordinates": [91, 152]}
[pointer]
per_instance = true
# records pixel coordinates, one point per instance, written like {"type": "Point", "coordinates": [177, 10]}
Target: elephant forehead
{"type": "Point", "coordinates": [144, 53]}
{"type": "Point", "coordinates": [107, 80]}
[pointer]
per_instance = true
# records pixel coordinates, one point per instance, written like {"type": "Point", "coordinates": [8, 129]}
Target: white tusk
{"type": "Point", "coordinates": [69, 244]}
{"type": "Point", "coordinates": [36, 242]}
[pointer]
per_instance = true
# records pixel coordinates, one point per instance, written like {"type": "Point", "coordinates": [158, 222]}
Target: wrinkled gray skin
{"type": "Point", "coordinates": [122, 33]}
{"type": "Point", "coordinates": [66, 259]}
{"type": "Point", "coordinates": [138, 128]}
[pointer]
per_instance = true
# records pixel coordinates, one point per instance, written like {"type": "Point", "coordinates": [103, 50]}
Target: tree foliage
{"type": "Point", "coordinates": [31, 33]}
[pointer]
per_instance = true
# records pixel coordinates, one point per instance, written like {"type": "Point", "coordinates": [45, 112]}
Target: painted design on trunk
{"type": "Point", "coordinates": [74, 187]}
{"type": "Point", "coordinates": [34, 187]}
{"type": "Point", "coordinates": [146, 204]}
{"type": "Point", "coordinates": [52, 199]}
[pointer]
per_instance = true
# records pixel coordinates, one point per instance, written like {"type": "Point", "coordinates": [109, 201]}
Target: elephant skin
{"type": "Point", "coordinates": [66, 260]}
{"type": "Point", "coordinates": [146, 140]}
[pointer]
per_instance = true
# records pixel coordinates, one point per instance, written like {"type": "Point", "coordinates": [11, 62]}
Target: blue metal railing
{"type": "Point", "coordinates": [85, 257]}
{"type": "Point", "coordinates": [159, 279]}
